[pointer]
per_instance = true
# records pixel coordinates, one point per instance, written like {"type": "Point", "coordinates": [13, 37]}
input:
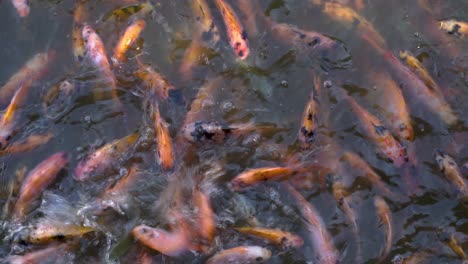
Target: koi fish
{"type": "Point", "coordinates": [79, 17]}
{"type": "Point", "coordinates": [127, 39]}
{"type": "Point", "coordinates": [206, 218]}
{"type": "Point", "coordinates": [416, 66]}
{"type": "Point", "coordinates": [242, 254]}
{"type": "Point", "coordinates": [236, 34]}
{"type": "Point", "coordinates": [164, 145]}
{"type": "Point", "coordinates": [357, 162]}
{"type": "Point", "coordinates": [46, 232]}
{"type": "Point", "coordinates": [123, 13]}
{"type": "Point", "coordinates": [9, 118]}
{"type": "Point", "coordinates": [97, 54]}
{"type": "Point", "coordinates": [52, 254]}
{"type": "Point", "coordinates": [385, 216]}
{"type": "Point", "coordinates": [321, 239]}
{"type": "Point", "coordinates": [301, 40]}
{"type": "Point", "coordinates": [451, 170]}
{"type": "Point", "coordinates": [419, 257]}
{"type": "Point", "coordinates": [205, 33]}
{"type": "Point", "coordinates": [350, 17]}
{"type": "Point", "coordinates": [455, 27]}
{"type": "Point", "coordinates": [341, 196]}
{"type": "Point", "coordinates": [309, 124]}
{"type": "Point", "coordinates": [22, 7]}
{"type": "Point", "coordinates": [37, 180]}
{"type": "Point", "coordinates": [100, 161]}
{"type": "Point", "coordinates": [258, 175]}
{"type": "Point", "coordinates": [30, 72]}
{"type": "Point", "coordinates": [454, 245]}
{"type": "Point", "coordinates": [29, 143]}
{"type": "Point", "coordinates": [412, 86]}
{"type": "Point", "coordinates": [170, 244]}
{"type": "Point", "coordinates": [275, 236]}
{"type": "Point", "coordinates": [204, 98]}
{"type": "Point", "coordinates": [380, 135]}
{"type": "Point", "coordinates": [395, 107]}
{"type": "Point", "coordinates": [157, 83]}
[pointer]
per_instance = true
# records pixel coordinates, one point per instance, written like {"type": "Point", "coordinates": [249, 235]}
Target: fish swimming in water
{"type": "Point", "coordinates": [455, 27]}
{"type": "Point", "coordinates": [28, 144]}
{"type": "Point", "coordinates": [385, 216]}
{"type": "Point", "coordinates": [309, 124]}
{"type": "Point", "coordinates": [275, 236]}
{"type": "Point", "coordinates": [22, 7]}
{"type": "Point", "coordinates": [131, 33]}
{"type": "Point", "coordinates": [241, 254]}
{"type": "Point", "coordinates": [79, 17]}
{"type": "Point", "coordinates": [417, 67]}
{"type": "Point", "coordinates": [451, 170]}
{"type": "Point", "coordinates": [165, 149]}
{"type": "Point", "coordinates": [167, 243]}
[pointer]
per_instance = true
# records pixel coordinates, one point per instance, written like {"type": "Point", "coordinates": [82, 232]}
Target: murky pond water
{"type": "Point", "coordinates": [317, 95]}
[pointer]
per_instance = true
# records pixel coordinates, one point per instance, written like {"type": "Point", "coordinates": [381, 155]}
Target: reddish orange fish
{"type": "Point", "coordinates": [164, 144]}
{"type": "Point", "coordinates": [254, 176]}
{"type": "Point", "coordinates": [167, 243]}
{"type": "Point", "coordinates": [37, 180]}
{"type": "Point", "coordinates": [97, 54]}
{"type": "Point", "coordinates": [79, 16]}
{"type": "Point", "coordinates": [309, 124]}
{"type": "Point", "coordinates": [58, 253]}
{"type": "Point", "coordinates": [275, 236]}
{"type": "Point", "coordinates": [31, 71]}
{"type": "Point", "coordinates": [321, 239]}
{"type": "Point", "coordinates": [157, 83]}
{"type": "Point", "coordinates": [236, 34]}
{"type": "Point", "coordinates": [22, 7]}
{"type": "Point", "coordinates": [127, 39]}
{"type": "Point", "coordinates": [206, 218]}
{"type": "Point", "coordinates": [380, 135]}
{"type": "Point", "coordinates": [99, 162]}
{"type": "Point", "coordinates": [29, 143]}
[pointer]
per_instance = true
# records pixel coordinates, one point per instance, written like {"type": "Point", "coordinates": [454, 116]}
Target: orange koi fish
{"type": "Point", "coordinates": [46, 232]}
{"type": "Point", "coordinates": [22, 7]}
{"type": "Point", "coordinates": [321, 239]}
{"type": "Point", "coordinates": [258, 175]}
{"type": "Point", "coordinates": [236, 34]}
{"type": "Point", "coordinates": [97, 54]}
{"type": "Point", "coordinates": [206, 218]}
{"type": "Point", "coordinates": [395, 107]}
{"type": "Point", "coordinates": [99, 162]}
{"type": "Point", "coordinates": [385, 216]}
{"type": "Point", "coordinates": [357, 162]}
{"type": "Point", "coordinates": [415, 65]}
{"type": "Point", "coordinates": [29, 143]}
{"type": "Point", "coordinates": [31, 71]}
{"type": "Point", "coordinates": [157, 83]}
{"type": "Point", "coordinates": [309, 124]}
{"type": "Point", "coordinates": [79, 17]}
{"type": "Point", "coordinates": [170, 244]}
{"type": "Point", "coordinates": [275, 236]}
{"type": "Point", "coordinates": [453, 244]}
{"type": "Point", "coordinates": [164, 144]}
{"type": "Point", "coordinates": [451, 170]}
{"type": "Point", "coordinates": [242, 254]}
{"type": "Point", "coordinates": [9, 119]}
{"type": "Point", "coordinates": [415, 88]}
{"type": "Point", "coordinates": [341, 196]}
{"type": "Point", "coordinates": [37, 180]}
{"type": "Point", "coordinates": [455, 27]}
{"type": "Point", "coordinates": [127, 39]}
{"type": "Point", "coordinates": [380, 135]}
{"type": "Point", "coordinates": [52, 254]}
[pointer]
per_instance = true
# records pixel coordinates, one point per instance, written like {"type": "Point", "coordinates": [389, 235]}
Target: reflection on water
{"type": "Point", "coordinates": [322, 104]}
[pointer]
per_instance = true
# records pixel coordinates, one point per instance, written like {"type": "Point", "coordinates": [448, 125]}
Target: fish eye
{"type": "Point", "coordinates": [8, 138]}
{"type": "Point", "coordinates": [258, 259]}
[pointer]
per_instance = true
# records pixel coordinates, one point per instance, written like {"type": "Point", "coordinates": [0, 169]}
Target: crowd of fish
{"type": "Point", "coordinates": [167, 153]}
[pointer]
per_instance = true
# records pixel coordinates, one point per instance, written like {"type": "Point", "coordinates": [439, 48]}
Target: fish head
{"type": "Point", "coordinates": [6, 134]}
{"type": "Point", "coordinates": [444, 161]}
{"type": "Point", "coordinates": [405, 131]}
{"type": "Point", "coordinates": [292, 241]}
{"type": "Point", "coordinates": [83, 171]}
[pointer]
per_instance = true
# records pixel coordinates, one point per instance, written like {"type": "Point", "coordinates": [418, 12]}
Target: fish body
{"type": "Point", "coordinates": [413, 87]}
{"type": "Point", "coordinates": [416, 66]}
{"type": "Point", "coordinates": [96, 53]}
{"type": "Point", "coordinates": [321, 239]}
{"type": "Point", "coordinates": [242, 254]}
{"type": "Point", "coordinates": [258, 175]}
{"type": "Point", "coordinates": [236, 34]}
{"type": "Point", "coordinates": [309, 123]}
{"type": "Point", "coordinates": [52, 254]}
{"type": "Point", "coordinates": [79, 17]}
{"type": "Point", "coordinates": [385, 216]}
{"type": "Point", "coordinates": [206, 217]}
{"type": "Point", "coordinates": [165, 148]}
{"type": "Point", "coordinates": [380, 135]}
{"type": "Point", "coordinates": [100, 161]}
{"type": "Point", "coordinates": [31, 71]}
{"type": "Point", "coordinates": [455, 246]}
{"type": "Point", "coordinates": [170, 244]}
{"type": "Point", "coordinates": [302, 40]}
{"type": "Point", "coordinates": [357, 162]}
{"type": "Point", "coordinates": [47, 232]}
{"type": "Point", "coordinates": [451, 170]}
{"type": "Point", "coordinates": [127, 39]}
{"type": "Point", "coordinates": [125, 12]}
{"type": "Point", "coordinates": [22, 7]}
{"type": "Point", "coordinates": [29, 143]}
{"type": "Point", "coordinates": [275, 236]}
{"type": "Point", "coordinates": [342, 199]}
{"type": "Point", "coordinates": [394, 103]}
{"type": "Point", "coordinates": [455, 27]}
{"type": "Point", "coordinates": [37, 180]}
{"type": "Point", "coordinates": [155, 81]}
